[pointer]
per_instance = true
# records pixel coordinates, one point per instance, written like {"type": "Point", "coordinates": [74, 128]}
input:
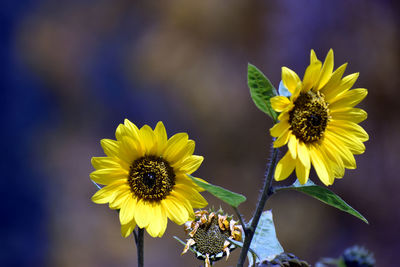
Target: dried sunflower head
{"type": "Point", "coordinates": [209, 233]}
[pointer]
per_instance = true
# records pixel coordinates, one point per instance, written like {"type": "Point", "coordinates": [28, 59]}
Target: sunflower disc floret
{"type": "Point", "coordinates": [145, 178]}
{"type": "Point", "coordinates": [209, 234]}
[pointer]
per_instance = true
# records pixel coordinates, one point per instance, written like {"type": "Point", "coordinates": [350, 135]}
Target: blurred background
{"type": "Point", "coordinates": [71, 71]}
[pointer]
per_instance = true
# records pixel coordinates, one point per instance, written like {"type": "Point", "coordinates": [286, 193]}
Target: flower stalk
{"type": "Point", "coordinates": [139, 246]}
{"type": "Point", "coordinates": [266, 193]}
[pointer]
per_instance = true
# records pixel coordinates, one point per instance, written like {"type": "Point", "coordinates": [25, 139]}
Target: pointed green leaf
{"type": "Point", "coordinates": [231, 198]}
{"type": "Point", "coordinates": [326, 196]}
{"type": "Point", "coordinates": [261, 90]}
{"type": "Point", "coordinates": [265, 243]}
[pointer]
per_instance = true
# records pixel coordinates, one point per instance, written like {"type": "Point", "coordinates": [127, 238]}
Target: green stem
{"type": "Point", "coordinates": [249, 232]}
{"type": "Point", "coordinates": [139, 246]}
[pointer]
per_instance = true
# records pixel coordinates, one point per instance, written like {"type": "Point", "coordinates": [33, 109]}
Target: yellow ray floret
{"type": "Point", "coordinates": [145, 178]}
{"type": "Point", "coordinates": [318, 122]}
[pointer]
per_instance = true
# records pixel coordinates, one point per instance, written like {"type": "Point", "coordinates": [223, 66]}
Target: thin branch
{"type": "Point", "coordinates": [260, 206]}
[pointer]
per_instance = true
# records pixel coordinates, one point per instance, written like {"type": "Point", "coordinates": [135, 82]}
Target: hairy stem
{"type": "Point", "coordinates": [266, 193]}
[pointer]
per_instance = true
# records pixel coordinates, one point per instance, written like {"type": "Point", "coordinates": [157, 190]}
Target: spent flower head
{"type": "Point", "coordinates": [209, 233]}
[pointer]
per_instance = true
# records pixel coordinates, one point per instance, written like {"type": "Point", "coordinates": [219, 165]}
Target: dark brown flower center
{"type": "Point", "coordinates": [151, 178]}
{"type": "Point", "coordinates": [309, 117]}
{"type": "Point", "coordinates": [210, 238]}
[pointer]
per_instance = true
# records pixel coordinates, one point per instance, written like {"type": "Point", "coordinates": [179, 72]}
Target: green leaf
{"type": "Point", "coordinates": [231, 198]}
{"type": "Point", "coordinates": [265, 243]}
{"type": "Point", "coordinates": [261, 90]}
{"type": "Point", "coordinates": [324, 195]}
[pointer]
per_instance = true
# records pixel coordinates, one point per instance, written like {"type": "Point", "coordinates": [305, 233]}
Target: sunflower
{"type": "Point", "coordinates": [145, 177]}
{"type": "Point", "coordinates": [318, 121]}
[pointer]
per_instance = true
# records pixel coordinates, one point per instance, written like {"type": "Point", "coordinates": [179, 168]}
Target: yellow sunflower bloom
{"type": "Point", "coordinates": [318, 121]}
{"type": "Point", "coordinates": [145, 177]}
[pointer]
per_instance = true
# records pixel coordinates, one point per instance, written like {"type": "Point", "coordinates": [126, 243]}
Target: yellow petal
{"type": "Point", "coordinates": [303, 154]}
{"type": "Point", "coordinates": [284, 116]}
{"type": "Point", "coordinates": [279, 103]}
{"type": "Point", "coordinates": [295, 95]}
{"type": "Point", "coordinates": [191, 164]}
{"type": "Point", "coordinates": [175, 210]}
{"type": "Point", "coordinates": [348, 99]}
{"type": "Point", "coordinates": [284, 167]}
{"type": "Point", "coordinates": [105, 163]}
{"type": "Point", "coordinates": [345, 85]}
{"type": "Point", "coordinates": [355, 115]}
{"type": "Point", "coordinates": [318, 162]}
{"type": "Point", "coordinates": [283, 138]}
{"type": "Point", "coordinates": [182, 178]}
{"type": "Point", "coordinates": [154, 227]}
{"type": "Point", "coordinates": [335, 159]}
{"type": "Point", "coordinates": [163, 221]}
{"type": "Point", "coordinates": [143, 215]}
{"type": "Point", "coordinates": [127, 211]}
{"type": "Point", "coordinates": [132, 129]}
{"type": "Point", "coordinates": [290, 79]}
{"type": "Point", "coordinates": [313, 57]}
{"type": "Point", "coordinates": [351, 141]}
{"type": "Point", "coordinates": [336, 146]}
{"type": "Point", "coordinates": [131, 149]}
{"type": "Point", "coordinates": [127, 229]}
{"type": "Point", "coordinates": [121, 131]}
{"type": "Point", "coordinates": [302, 172]}
{"type": "Point", "coordinates": [349, 127]}
{"type": "Point", "coordinates": [149, 140]}
{"type": "Point", "coordinates": [334, 82]}
{"type": "Point", "coordinates": [119, 199]}
{"type": "Point", "coordinates": [185, 153]}
{"type": "Point", "coordinates": [161, 137]}
{"type": "Point", "coordinates": [311, 75]}
{"type": "Point", "coordinates": [292, 145]}
{"type": "Point", "coordinates": [110, 147]}
{"type": "Point", "coordinates": [176, 147]}
{"type": "Point", "coordinates": [108, 193]}
{"type": "Point", "coordinates": [326, 71]}
{"type": "Point", "coordinates": [331, 166]}
{"type": "Point", "coordinates": [279, 128]}
{"type": "Point", "coordinates": [108, 176]}
{"type": "Point", "coordinates": [185, 203]}
{"type": "Point", "coordinates": [195, 199]}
